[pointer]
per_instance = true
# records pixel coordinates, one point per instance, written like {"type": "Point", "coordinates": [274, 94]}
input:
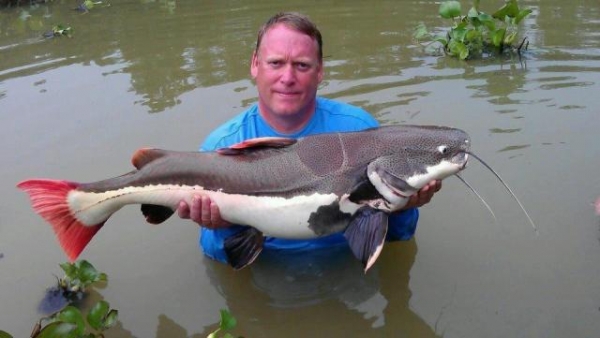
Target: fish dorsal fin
{"type": "Point", "coordinates": [255, 144]}
{"type": "Point", "coordinates": [144, 156]}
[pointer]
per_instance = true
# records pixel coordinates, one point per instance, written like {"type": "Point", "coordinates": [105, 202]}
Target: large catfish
{"type": "Point", "coordinates": [305, 188]}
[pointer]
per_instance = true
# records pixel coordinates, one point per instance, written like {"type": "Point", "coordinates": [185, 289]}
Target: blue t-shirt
{"type": "Point", "coordinates": [330, 116]}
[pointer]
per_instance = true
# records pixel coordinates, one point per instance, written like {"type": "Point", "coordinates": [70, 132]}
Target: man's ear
{"type": "Point", "coordinates": [254, 65]}
{"type": "Point", "coordinates": [320, 73]}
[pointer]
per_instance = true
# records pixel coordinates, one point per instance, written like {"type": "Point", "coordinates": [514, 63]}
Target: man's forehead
{"type": "Point", "coordinates": [281, 37]}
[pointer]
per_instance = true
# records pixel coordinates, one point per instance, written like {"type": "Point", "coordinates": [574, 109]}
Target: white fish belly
{"type": "Point", "coordinates": [274, 216]}
{"type": "Point", "coordinates": [93, 208]}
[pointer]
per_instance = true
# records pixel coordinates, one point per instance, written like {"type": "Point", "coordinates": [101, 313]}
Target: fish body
{"type": "Point", "coordinates": [280, 187]}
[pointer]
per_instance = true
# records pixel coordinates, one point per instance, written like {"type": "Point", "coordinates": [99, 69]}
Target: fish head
{"type": "Point", "coordinates": [415, 156]}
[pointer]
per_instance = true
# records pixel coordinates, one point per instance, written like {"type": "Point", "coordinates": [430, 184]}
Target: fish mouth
{"type": "Point", "coordinates": [461, 159]}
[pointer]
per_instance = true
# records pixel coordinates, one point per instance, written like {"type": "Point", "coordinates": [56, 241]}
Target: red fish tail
{"type": "Point", "coordinates": [49, 200]}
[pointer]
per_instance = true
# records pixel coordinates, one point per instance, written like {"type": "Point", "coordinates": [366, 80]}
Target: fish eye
{"type": "Point", "coordinates": [443, 149]}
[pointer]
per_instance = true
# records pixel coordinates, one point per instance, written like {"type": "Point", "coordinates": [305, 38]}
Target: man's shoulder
{"type": "Point", "coordinates": [232, 131]}
{"type": "Point", "coordinates": [344, 115]}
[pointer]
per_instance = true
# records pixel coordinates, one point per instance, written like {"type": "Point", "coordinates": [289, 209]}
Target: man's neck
{"type": "Point", "coordinates": [290, 124]}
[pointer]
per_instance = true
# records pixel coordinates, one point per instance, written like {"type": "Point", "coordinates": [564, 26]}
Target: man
{"type": "Point", "coordinates": [287, 66]}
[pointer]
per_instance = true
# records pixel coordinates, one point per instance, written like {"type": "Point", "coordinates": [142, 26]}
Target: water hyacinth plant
{"type": "Point", "coordinates": [226, 323]}
{"type": "Point", "coordinates": [477, 33]}
{"type": "Point", "coordinates": [68, 320]}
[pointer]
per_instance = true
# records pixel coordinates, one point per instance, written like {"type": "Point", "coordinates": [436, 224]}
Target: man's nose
{"type": "Point", "coordinates": [288, 74]}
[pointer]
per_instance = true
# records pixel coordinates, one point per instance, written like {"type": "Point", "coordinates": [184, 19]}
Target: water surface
{"type": "Point", "coordinates": [165, 73]}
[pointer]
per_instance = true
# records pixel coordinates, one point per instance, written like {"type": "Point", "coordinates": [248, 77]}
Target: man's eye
{"type": "Point", "coordinates": [303, 66]}
{"type": "Point", "coordinates": [274, 63]}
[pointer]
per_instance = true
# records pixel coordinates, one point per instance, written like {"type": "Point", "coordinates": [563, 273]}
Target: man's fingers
{"type": "Point", "coordinates": [205, 214]}
{"type": "Point", "coordinates": [183, 210]}
{"type": "Point", "coordinates": [215, 216]}
{"type": "Point", "coordinates": [438, 185]}
{"type": "Point", "coordinates": [195, 209]}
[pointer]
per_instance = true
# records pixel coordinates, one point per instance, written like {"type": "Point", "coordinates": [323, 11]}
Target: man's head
{"type": "Point", "coordinates": [295, 21]}
{"type": "Point", "coordinates": [288, 68]}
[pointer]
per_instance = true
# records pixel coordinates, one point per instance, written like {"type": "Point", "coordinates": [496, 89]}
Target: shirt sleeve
{"type": "Point", "coordinates": [402, 225]}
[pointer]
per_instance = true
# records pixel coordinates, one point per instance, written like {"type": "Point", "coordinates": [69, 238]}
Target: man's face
{"type": "Point", "coordinates": [287, 70]}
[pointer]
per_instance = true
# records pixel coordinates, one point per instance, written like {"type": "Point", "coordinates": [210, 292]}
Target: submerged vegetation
{"type": "Point", "coordinates": [476, 34]}
{"type": "Point", "coordinates": [68, 320]}
{"type": "Point", "coordinates": [38, 20]}
{"type": "Point", "coordinates": [226, 323]}
{"type": "Point", "coordinates": [13, 3]}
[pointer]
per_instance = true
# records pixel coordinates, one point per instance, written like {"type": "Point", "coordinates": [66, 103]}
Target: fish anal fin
{"type": "Point", "coordinates": [156, 214]}
{"type": "Point", "coordinates": [49, 200]}
{"type": "Point", "coordinates": [144, 156]}
{"type": "Point", "coordinates": [244, 247]}
{"type": "Point", "coordinates": [255, 144]}
{"type": "Point", "coordinates": [366, 235]}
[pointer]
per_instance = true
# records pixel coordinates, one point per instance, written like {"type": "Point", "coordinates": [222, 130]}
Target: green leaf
{"type": "Point", "coordinates": [508, 40]}
{"type": "Point", "coordinates": [111, 318]}
{"type": "Point", "coordinates": [4, 334]}
{"type": "Point", "coordinates": [421, 32]}
{"type": "Point", "coordinates": [458, 34]}
{"type": "Point", "coordinates": [89, 4]}
{"type": "Point", "coordinates": [522, 15]}
{"type": "Point", "coordinates": [69, 268]}
{"type": "Point", "coordinates": [97, 314]}
{"type": "Point", "coordinates": [87, 272]}
{"type": "Point", "coordinates": [498, 37]}
{"type": "Point", "coordinates": [510, 8]}
{"type": "Point", "coordinates": [464, 53]}
{"type": "Point", "coordinates": [58, 330]}
{"type": "Point", "coordinates": [442, 40]}
{"type": "Point", "coordinates": [487, 20]}
{"type": "Point", "coordinates": [473, 12]}
{"type": "Point", "coordinates": [450, 9]}
{"type": "Point", "coordinates": [473, 36]}
{"type": "Point", "coordinates": [458, 49]}
{"type": "Point", "coordinates": [228, 322]}
{"type": "Point", "coordinates": [71, 314]}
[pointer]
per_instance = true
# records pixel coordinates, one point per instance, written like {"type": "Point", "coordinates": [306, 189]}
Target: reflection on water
{"type": "Point", "coordinates": [77, 107]}
{"type": "Point", "coordinates": [169, 48]}
{"type": "Point", "coordinates": [315, 284]}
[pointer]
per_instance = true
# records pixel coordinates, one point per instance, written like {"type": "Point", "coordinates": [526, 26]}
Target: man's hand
{"type": "Point", "coordinates": [203, 211]}
{"type": "Point", "coordinates": [424, 195]}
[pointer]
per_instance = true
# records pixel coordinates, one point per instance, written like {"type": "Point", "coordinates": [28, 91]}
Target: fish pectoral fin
{"type": "Point", "coordinates": [366, 235]}
{"type": "Point", "coordinates": [364, 190]}
{"type": "Point", "coordinates": [243, 247]}
{"type": "Point", "coordinates": [256, 144]}
{"type": "Point", "coordinates": [156, 214]}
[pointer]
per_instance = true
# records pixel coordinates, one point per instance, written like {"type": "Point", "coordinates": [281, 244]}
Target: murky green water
{"type": "Point", "coordinates": [157, 73]}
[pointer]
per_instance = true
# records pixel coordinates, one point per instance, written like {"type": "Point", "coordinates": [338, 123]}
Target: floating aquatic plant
{"type": "Point", "coordinates": [68, 320]}
{"type": "Point", "coordinates": [79, 276]}
{"type": "Point", "coordinates": [59, 30]}
{"type": "Point", "coordinates": [477, 33]}
{"type": "Point", "coordinates": [227, 323]}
